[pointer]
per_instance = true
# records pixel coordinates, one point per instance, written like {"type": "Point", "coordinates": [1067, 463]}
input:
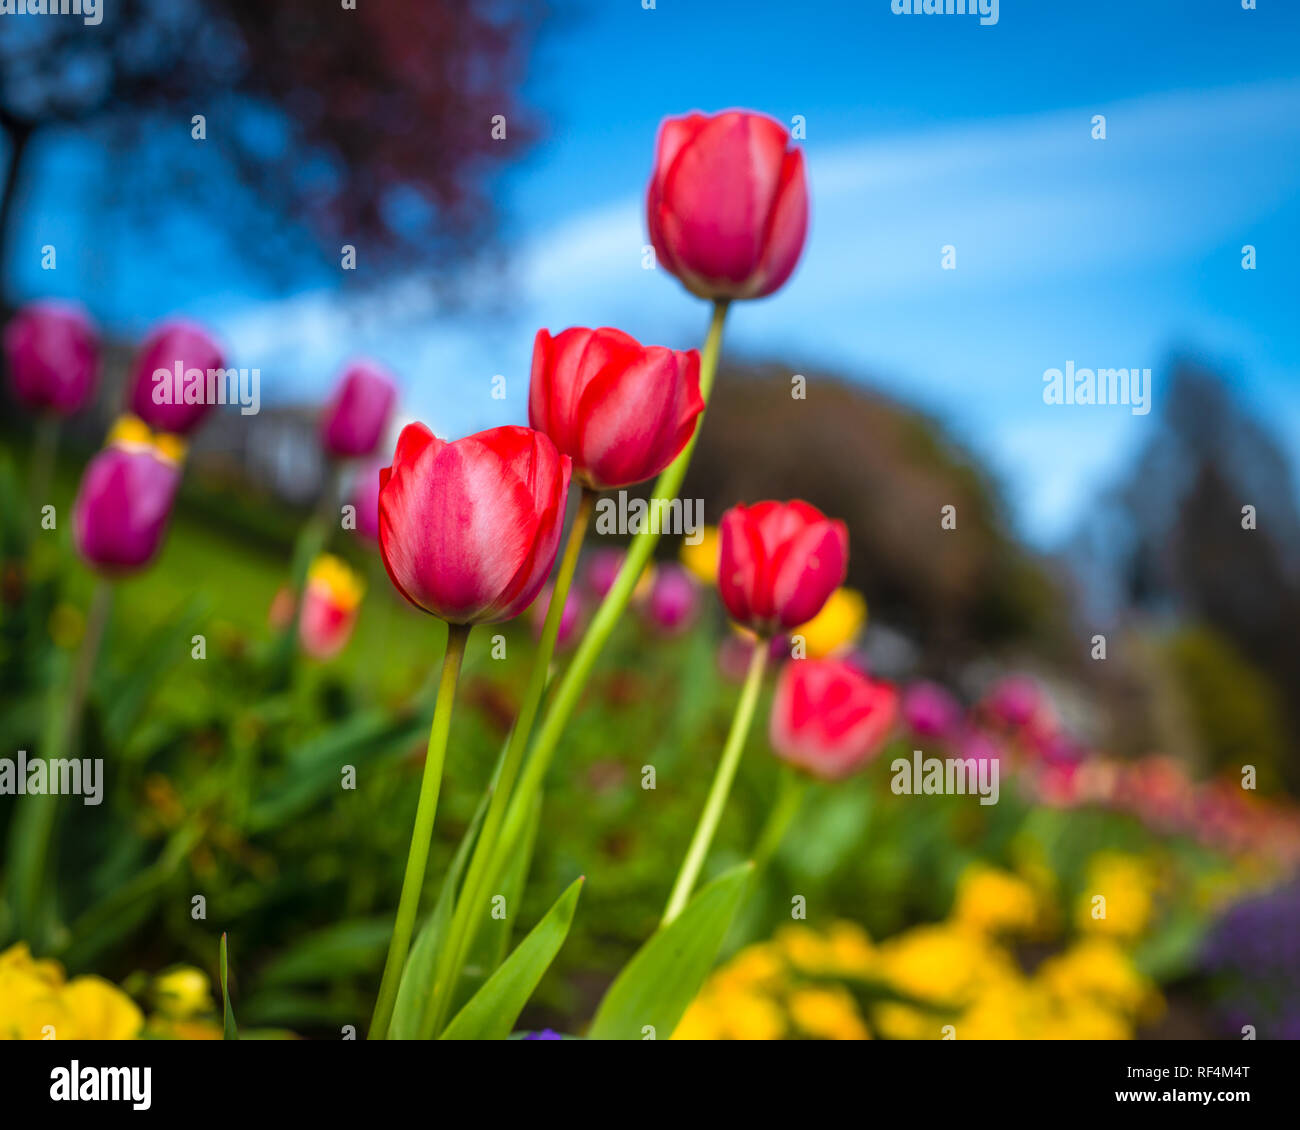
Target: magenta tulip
{"type": "Point", "coordinates": [52, 353]}
{"type": "Point", "coordinates": [727, 205]}
{"type": "Point", "coordinates": [357, 415]}
{"type": "Point", "coordinates": [469, 530]}
{"type": "Point", "coordinates": [122, 507]}
{"type": "Point", "coordinates": [169, 390]}
{"type": "Point", "coordinates": [674, 599]}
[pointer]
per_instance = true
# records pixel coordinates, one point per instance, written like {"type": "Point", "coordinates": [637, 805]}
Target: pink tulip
{"type": "Point", "coordinates": [52, 353]}
{"type": "Point", "coordinates": [674, 599]}
{"type": "Point", "coordinates": [469, 530]}
{"type": "Point", "coordinates": [778, 563]}
{"type": "Point", "coordinates": [621, 411]}
{"type": "Point", "coordinates": [157, 397]}
{"type": "Point", "coordinates": [727, 205]}
{"type": "Point", "coordinates": [828, 718]}
{"type": "Point", "coordinates": [930, 711]}
{"type": "Point", "coordinates": [1015, 700]}
{"type": "Point", "coordinates": [122, 507]}
{"type": "Point", "coordinates": [358, 412]}
{"type": "Point", "coordinates": [601, 571]}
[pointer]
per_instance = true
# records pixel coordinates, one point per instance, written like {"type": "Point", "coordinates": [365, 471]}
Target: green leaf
{"type": "Point", "coordinates": [492, 942]}
{"type": "Point", "coordinates": [230, 1031]}
{"type": "Point", "coordinates": [332, 953]}
{"type": "Point", "coordinates": [664, 976]}
{"type": "Point", "coordinates": [416, 986]}
{"type": "Point", "coordinates": [493, 1010]}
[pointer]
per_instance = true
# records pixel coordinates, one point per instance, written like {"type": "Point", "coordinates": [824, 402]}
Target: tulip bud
{"type": "Point", "coordinates": [829, 718]}
{"type": "Point", "coordinates": [357, 415]}
{"type": "Point", "coordinates": [365, 500]}
{"type": "Point", "coordinates": [727, 205]}
{"type": "Point", "coordinates": [1015, 700]}
{"type": "Point", "coordinates": [164, 401]}
{"type": "Point", "coordinates": [469, 530]}
{"type": "Point", "coordinates": [778, 564]}
{"type": "Point", "coordinates": [674, 599]}
{"type": "Point", "coordinates": [329, 607]}
{"type": "Point", "coordinates": [930, 711]}
{"type": "Point", "coordinates": [122, 507]}
{"type": "Point", "coordinates": [621, 411]}
{"type": "Point", "coordinates": [52, 353]}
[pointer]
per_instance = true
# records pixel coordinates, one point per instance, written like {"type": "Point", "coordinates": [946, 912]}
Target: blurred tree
{"type": "Point", "coordinates": [888, 472]}
{"type": "Point", "coordinates": [371, 126]}
{"type": "Point", "coordinates": [1172, 541]}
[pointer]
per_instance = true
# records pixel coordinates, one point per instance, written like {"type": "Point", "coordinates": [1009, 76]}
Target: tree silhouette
{"type": "Point", "coordinates": [324, 124]}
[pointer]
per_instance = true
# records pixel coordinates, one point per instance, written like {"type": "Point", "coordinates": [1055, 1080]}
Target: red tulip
{"type": "Point", "coordinates": [162, 400]}
{"type": "Point", "coordinates": [469, 530]}
{"type": "Point", "coordinates": [52, 353]}
{"type": "Point", "coordinates": [829, 718]}
{"type": "Point", "coordinates": [728, 203]}
{"type": "Point", "coordinates": [621, 411]}
{"type": "Point", "coordinates": [122, 507]}
{"type": "Point", "coordinates": [358, 412]}
{"type": "Point", "coordinates": [778, 563]}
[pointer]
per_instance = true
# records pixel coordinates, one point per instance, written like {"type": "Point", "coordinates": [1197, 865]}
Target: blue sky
{"type": "Point", "coordinates": [922, 131]}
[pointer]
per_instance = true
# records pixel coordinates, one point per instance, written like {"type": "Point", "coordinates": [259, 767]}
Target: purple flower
{"type": "Point", "coordinates": [357, 415]}
{"type": "Point", "coordinates": [122, 507]}
{"type": "Point", "coordinates": [169, 390]}
{"type": "Point", "coordinates": [544, 1034]}
{"type": "Point", "coordinates": [930, 711]}
{"type": "Point", "coordinates": [52, 353]}
{"type": "Point", "coordinates": [674, 599]}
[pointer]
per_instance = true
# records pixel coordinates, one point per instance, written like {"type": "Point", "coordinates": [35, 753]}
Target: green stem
{"type": "Point", "coordinates": [793, 787]}
{"type": "Point", "coordinates": [465, 923]}
{"type": "Point", "coordinates": [721, 788]}
{"type": "Point", "coordinates": [607, 616]}
{"type": "Point", "coordinates": [44, 446]}
{"type": "Point", "coordinates": [33, 829]}
{"type": "Point", "coordinates": [421, 834]}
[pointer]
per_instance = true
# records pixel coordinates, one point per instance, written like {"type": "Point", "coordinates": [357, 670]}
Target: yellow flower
{"type": "Point", "coordinates": [131, 431]}
{"type": "Point", "coordinates": [836, 626]}
{"type": "Point", "coordinates": [702, 559]}
{"type": "Point", "coordinates": [943, 964]}
{"type": "Point", "coordinates": [828, 1013]}
{"type": "Point", "coordinates": [995, 901]}
{"type": "Point", "coordinates": [1127, 884]}
{"type": "Point", "coordinates": [1097, 971]}
{"type": "Point", "coordinates": [183, 992]}
{"type": "Point", "coordinates": [100, 1011]}
{"type": "Point", "coordinates": [337, 580]}
{"type": "Point", "coordinates": [36, 1003]}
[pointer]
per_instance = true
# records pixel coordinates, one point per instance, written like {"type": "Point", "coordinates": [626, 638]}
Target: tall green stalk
{"type": "Point", "coordinates": [465, 923]}
{"type": "Point", "coordinates": [721, 788]}
{"type": "Point", "coordinates": [422, 834]}
{"type": "Point", "coordinates": [32, 855]}
{"type": "Point", "coordinates": [602, 626]}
